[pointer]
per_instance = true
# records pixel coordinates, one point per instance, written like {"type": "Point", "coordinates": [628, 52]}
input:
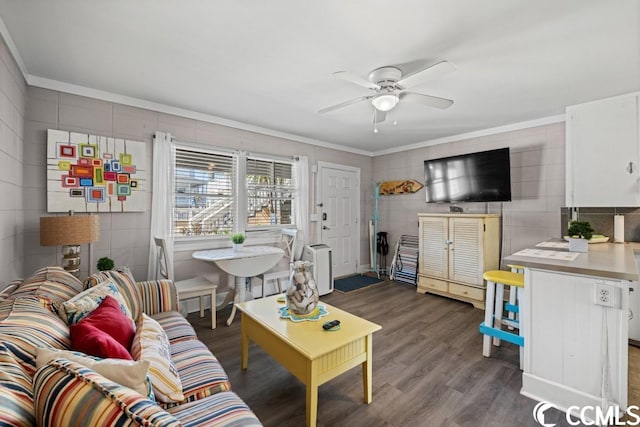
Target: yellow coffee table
{"type": "Point", "coordinates": [309, 352]}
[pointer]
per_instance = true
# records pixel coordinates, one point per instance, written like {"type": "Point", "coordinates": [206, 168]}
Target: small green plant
{"type": "Point", "coordinates": [238, 238]}
{"type": "Point", "coordinates": [105, 263]}
{"type": "Point", "coordinates": [580, 229]}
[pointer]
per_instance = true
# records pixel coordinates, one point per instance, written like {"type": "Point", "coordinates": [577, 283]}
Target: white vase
{"type": "Point", "coordinates": [302, 292]}
{"type": "Point", "coordinates": [578, 245]}
{"type": "Point", "coordinates": [237, 247]}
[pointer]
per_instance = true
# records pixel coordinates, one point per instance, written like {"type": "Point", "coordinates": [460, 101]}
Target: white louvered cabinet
{"type": "Point", "coordinates": [455, 250]}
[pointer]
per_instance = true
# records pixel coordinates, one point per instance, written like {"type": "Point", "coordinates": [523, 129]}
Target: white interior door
{"type": "Point", "coordinates": [339, 200]}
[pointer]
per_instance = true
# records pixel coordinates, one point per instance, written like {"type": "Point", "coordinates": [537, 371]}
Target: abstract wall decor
{"type": "Point", "coordinates": [89, 173]}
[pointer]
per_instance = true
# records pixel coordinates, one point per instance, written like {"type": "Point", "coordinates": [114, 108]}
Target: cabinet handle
{"type": "Point", "coordinates": [630, 168]}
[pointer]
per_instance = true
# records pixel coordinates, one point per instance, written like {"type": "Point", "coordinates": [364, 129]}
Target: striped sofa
{"type": "Point", "coordinates": [65, 393]}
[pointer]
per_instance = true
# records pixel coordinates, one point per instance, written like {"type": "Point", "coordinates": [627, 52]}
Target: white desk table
{"type": "Point", "coordinates": [247, 262]}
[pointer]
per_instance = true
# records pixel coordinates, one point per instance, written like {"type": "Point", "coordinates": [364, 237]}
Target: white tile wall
{"type": "Point", "coordinates": [12, 111]}
{"type": "Point", "coordinates": [125, 237]}
{"type": "Point", "coordinates": [537, 174]}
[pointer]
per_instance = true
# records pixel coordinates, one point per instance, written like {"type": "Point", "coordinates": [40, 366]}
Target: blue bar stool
{"type": "Point", "coordinates": [495, 307]}
{"type": "Point", "coordinates": [512, 307]}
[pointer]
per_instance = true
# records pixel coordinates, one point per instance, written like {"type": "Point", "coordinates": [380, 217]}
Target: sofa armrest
{"type": "Point", "coordinates": [158, 296]}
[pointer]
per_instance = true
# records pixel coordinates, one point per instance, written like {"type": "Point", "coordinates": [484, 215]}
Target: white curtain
{"type": "Point", "coordinates": [161, 201]}
{"type": "Point", "coordinates": [302, 196]}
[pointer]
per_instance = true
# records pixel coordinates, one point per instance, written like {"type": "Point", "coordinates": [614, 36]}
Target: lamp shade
{"type": "Point", "coordinates": [69, 230]}
{"type": "Point", "coordinates": [385, 102]}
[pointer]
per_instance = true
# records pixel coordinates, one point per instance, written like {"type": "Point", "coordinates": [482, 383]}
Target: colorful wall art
{"type": "Point", "coordinates": [89, 173]}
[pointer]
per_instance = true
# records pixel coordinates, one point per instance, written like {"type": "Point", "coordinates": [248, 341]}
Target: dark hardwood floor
{"type": "Point", "coordinates": [428, 369]}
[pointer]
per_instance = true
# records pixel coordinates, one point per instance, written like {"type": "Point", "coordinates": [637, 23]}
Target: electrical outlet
{"type": "Point", "coordinates": [606, 295]}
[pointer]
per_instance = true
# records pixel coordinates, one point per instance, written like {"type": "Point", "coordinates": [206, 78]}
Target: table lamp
{"type": "Point", "coordinates": [69, 232]}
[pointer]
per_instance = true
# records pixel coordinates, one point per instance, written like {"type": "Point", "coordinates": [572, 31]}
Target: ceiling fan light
{"type": "Point", "coordinates": [385, 102]}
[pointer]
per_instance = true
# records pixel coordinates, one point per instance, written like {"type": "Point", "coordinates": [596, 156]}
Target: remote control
{"type": "Point", "coordinates": [331, 324]}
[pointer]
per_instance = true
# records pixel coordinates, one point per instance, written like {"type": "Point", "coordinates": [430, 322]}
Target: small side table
{"type": "Point", "coordinates": [248, 262]}
{"type": "Point", "coordinates": [198, 287]}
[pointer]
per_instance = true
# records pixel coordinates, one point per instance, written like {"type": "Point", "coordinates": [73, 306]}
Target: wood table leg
{"type": "Point", "coordinates": [312, 404]}
{"type": "Point", "coordinates": [312, 393]}
{"type": "Point", "coordinates": [367, 371]}
{"type": "Point", "coordinates": [231, 293]}
{"type": "Point", "coordinates": [239, 296]}
{"type": "Point", "coordinates": [244, 343]}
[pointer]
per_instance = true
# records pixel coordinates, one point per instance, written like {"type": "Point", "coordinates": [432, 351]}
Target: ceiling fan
{"type": "Point", "coordinates": [390, 88]}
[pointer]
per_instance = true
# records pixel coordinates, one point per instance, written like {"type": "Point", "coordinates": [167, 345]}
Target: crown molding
{"type": "Point", "coordinates": [475, 134]}
{"type": "Point", "coordinates": [182, 112]}
{"type": "Point", "coordinates": [4, 31]}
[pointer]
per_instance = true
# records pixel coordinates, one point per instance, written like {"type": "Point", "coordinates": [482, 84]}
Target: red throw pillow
{"type": "Point", "coordinates": [109, 318]}
{"type": "Point", "coordinates": [90, 340]}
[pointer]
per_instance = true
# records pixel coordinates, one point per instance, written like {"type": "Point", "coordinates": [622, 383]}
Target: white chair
{"type": "Point", "coordinates": [198, 287]}
{"type": "Point", "coordinates": [292, 251]}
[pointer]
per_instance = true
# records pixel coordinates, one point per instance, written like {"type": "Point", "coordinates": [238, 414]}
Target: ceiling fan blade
{"type": "Point", "coordinates": [380, 116]}
{"type": "Point", "coordinates": [347, 76]}
{"type": "Point", "coordinates": [343, 104]}
{"type": "Point", "coordinates": [434, 72]}
{"type": "Point", "coordinates": [428, 100]}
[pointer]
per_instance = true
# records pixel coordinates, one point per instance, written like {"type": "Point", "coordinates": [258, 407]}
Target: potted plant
{"type": "Point", "coordinates": [105, 263]}
{"type": "Point", "coordinates": [237, 239]}
{"type": "Point", "coordinates": [579, 234]}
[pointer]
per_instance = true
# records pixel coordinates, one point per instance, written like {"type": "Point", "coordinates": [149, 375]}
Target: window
{"type": "Point", "coordinates": [270, 192]}
{"type": "Point", "coordinates": [207, 196]}
{"type": "Point", "coordinates": [204, 202]}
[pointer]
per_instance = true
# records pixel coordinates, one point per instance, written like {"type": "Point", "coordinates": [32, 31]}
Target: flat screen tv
{"type": "Point", "coordinates": [476, 177]}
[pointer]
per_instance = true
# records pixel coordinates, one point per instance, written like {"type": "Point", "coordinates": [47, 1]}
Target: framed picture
{"type": "Point", "coordinates": [90, 173]}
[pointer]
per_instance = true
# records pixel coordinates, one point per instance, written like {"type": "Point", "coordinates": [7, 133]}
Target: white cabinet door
{"type": "Point", "coordinates": [433, 259]}
{"type": "Point", "coordinates": [603, 153]}
{"type": "Point", "coordinates": [465, 251]}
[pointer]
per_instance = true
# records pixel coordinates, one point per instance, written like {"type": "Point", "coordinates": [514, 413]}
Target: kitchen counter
{"type": "Point", "coordinates": [575, 318]}
{"type": "Point", "coordinates": [609, 260]}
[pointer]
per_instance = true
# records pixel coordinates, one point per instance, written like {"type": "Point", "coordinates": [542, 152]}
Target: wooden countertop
{"type": "Point", "coordinates": [609, 260]}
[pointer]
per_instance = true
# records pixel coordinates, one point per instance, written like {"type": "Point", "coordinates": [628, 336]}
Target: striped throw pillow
{"type": "Point", "coordinates": [132, 374]}
{"type": "Point", "coordinates": [126, 284]}
{"type": "Point", "coordinates": [69, 394]}
{"type": "Point", "coordinates": [150, 343]}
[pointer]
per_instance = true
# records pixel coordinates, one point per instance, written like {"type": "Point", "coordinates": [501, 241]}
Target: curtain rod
{"type": "Point", "coordinates": [272, 156]}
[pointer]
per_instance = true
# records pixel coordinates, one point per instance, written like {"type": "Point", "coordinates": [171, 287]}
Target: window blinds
{"type": "Point", "coordinates": [270, 192]}
{"type": "Point", "coordinates": [204, 198]}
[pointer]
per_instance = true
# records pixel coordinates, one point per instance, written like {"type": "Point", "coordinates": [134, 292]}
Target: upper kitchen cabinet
{"type": "Point", "coordinates": [603, 153]}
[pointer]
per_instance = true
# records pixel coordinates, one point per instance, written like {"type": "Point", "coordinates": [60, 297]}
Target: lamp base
{"type": "Point", "coordinates": [71, 258]}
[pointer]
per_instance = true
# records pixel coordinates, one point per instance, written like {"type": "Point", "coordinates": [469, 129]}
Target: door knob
{"type": "Point", "coordinates": [324, 227]}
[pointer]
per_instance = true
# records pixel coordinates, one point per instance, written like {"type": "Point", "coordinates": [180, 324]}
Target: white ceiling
{"type": "Point", "coordinates": [270, 63]}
